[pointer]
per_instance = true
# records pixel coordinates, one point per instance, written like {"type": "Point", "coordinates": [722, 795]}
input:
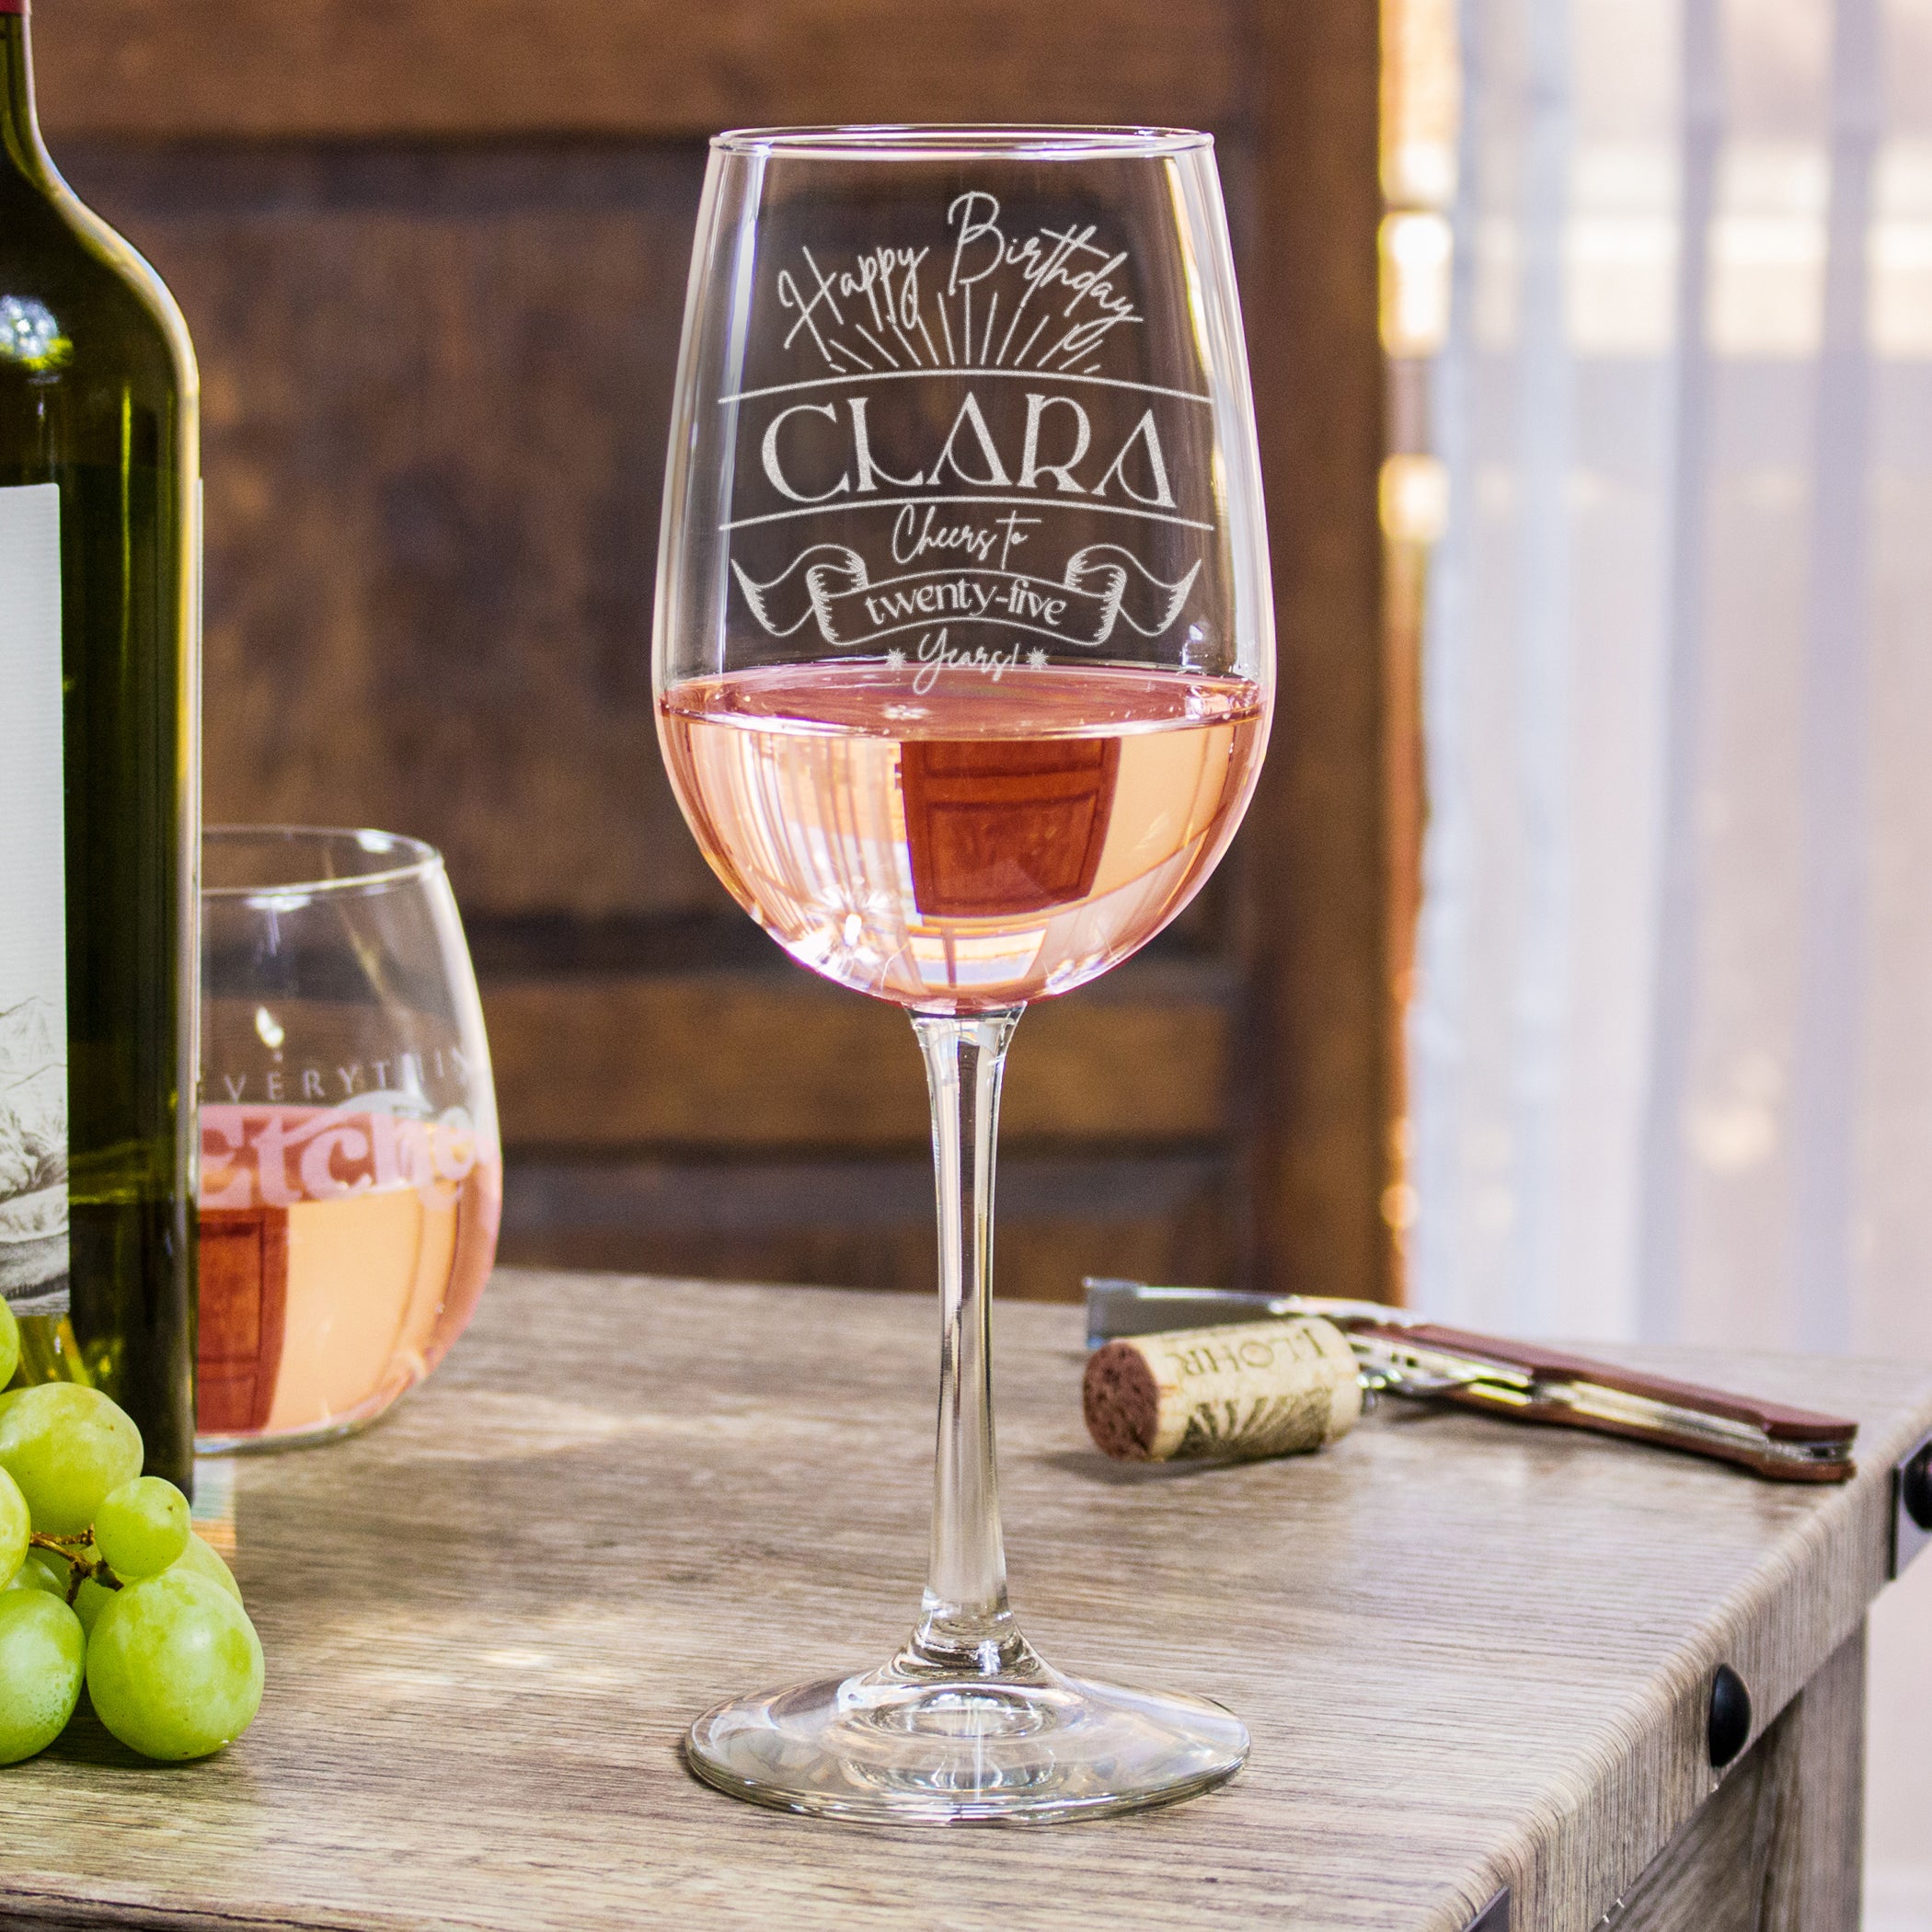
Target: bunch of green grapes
{"type": "Point", "coordinates": [104, 1584]}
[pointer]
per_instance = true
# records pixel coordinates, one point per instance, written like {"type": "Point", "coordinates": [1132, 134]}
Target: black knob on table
{"type": "Point", "coordinates": [1915, 1487]}
{"type": "Point", "coordinates": [1729, 1717]}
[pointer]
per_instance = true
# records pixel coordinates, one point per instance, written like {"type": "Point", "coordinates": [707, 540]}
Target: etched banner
{"type": "Point", "coordinates": [1102, 585]}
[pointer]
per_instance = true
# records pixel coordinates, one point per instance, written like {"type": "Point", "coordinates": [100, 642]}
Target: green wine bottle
{"type": "Point", "coordinates": [99, 795]}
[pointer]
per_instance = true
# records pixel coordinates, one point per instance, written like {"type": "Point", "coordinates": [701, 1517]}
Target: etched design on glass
{"type": "Point", "coordinates": [1068, 260]}
{"type": "Point", "coordinates": [1081, 608]}
{"type": "Point", "coordinates": [950, 401]}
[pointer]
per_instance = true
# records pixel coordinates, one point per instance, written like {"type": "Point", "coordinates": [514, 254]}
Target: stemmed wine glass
{"type": "Point", "coordinates": [963, 665]}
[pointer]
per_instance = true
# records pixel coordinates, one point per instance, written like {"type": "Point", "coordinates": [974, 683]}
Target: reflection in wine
{"type": "Point", "coordinates": [981, 842]}
{"type": "Point", "coordinates": [342, 1251]}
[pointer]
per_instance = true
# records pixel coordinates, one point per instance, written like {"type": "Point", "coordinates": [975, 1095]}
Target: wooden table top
{"type": "Point", "coordinates": [1470, 1653]}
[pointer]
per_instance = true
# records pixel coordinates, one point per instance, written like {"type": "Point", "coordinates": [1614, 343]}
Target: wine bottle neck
{"type": "Point", "coordinates": [19, 131]}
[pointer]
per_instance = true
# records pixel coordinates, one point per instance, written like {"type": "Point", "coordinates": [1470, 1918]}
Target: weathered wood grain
{"type": "Point", "coordinates": [433, 254]}
{"type": "Point", "coordinates": [436, 391]}
{"type": "Point", "coordinates": [1777, 1849]}
{"type": "Point", "coordinates": [437, 384]}
{"type": "Point", "coordinates": [1469, 1653]}
{"type": "Point", "coordinates": [779, 1059]}
{"type": "Point", "coordinates": [867, 1222]}
{"type": "Point", "coordinates": [1322, 846]}
{"type": "Point", "coordinates": [650, 69]}
{"type": "Point", "coordinates": [713, 1124]}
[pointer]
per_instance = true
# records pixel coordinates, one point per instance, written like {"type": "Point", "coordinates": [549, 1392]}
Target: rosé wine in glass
{"type": "Point", "coordinates": [342, 1250]}
{"type": "Point", "coordinates": [352, 1178]}
{"type": "Point", "coordinates": [968, 843]}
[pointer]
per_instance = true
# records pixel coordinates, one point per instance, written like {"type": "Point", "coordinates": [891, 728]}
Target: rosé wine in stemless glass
{"type": "Point", "coordinates": [352, 1178]}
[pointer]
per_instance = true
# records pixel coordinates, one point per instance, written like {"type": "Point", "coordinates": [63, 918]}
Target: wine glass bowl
{"type": "Point", "coordinates": [352, 1178]}
{"type": "Point", "coordinates": [963, 658]}
{"type": "Point", "coordinates": [971, 846]}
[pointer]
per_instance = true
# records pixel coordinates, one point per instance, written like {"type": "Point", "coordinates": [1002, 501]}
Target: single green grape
{"type": "Point", "coordinates": [67, 1446]}
{"type": "Point", "coordinates": [16, 1525]}
{"type": "Point", "coordinates": [174, 1666]}
{"type": "Point", "coordinates": [141, 1528]}
{"type": "Point", "coordinates": [42, 1659]}
{"type": "Point", "coordinates": [9, 1343]}
{"type": "Point", "coordinates": [42, 1572]}
{"type": "Point", "coordinates": [203, 1559]}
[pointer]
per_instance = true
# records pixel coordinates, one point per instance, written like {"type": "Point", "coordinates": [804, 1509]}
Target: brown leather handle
{"type": "Point", "coordinates": [1779, 1422]}
{"type": "Point", "coordinates": [1779, 1466]}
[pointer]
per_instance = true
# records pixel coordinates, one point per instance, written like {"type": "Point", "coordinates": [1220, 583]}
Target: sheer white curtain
{"type": "Point", "coordinates": [1671, 1046]}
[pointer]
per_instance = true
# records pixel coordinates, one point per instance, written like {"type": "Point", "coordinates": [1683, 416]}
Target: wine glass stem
{"type": "Point", "coordinates": [964, 1623]}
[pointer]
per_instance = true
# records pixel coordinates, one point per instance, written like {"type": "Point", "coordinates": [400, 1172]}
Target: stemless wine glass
{"type": "Point", "coordinates": [351, 1181]}
{"type": "Point", "coordinates": [963, 664]}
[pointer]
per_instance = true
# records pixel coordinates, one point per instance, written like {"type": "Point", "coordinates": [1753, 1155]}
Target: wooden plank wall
{"type": "Point", "coordinates": [1326, 837]}
{"type": "Point", "coordinates": [434, 256]}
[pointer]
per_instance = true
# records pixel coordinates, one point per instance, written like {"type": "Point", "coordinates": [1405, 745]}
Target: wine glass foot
{"type": "Point", "coordinates": [1025, 1747]}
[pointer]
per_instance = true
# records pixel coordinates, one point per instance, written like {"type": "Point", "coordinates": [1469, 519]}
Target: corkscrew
{"type": "Point", "coordinates": [1399, 1355]}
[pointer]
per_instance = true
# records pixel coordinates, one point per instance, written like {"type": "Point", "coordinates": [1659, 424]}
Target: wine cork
{"type": "Point", "coordinates": [1250, 1389]}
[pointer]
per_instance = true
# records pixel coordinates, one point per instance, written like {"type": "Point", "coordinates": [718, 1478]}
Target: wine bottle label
{"type": "Point", "coordinates": [33, 913]}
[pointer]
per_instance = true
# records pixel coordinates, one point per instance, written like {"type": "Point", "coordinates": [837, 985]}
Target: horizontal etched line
{"type": "Point", "coordinates": [888, 375]}
{"type": "Point", "coordinates": [1055, 502]}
